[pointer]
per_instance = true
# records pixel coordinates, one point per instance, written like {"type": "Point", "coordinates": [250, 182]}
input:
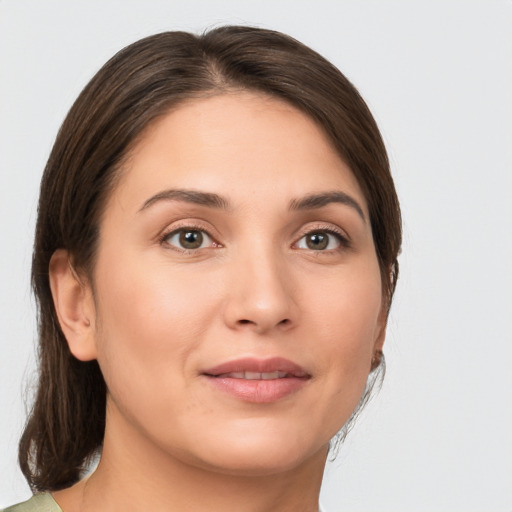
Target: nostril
{"type": "Point", "coordinates": [264, 326]}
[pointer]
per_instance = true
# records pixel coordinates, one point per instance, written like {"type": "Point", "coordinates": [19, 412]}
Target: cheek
{"type": "Point", "coordinates": [151, 299]}
{"type": "Point", "coordinates": [347, 317]}
{"type": "Point", "coordinates": [348, 306]}
{"type": "Point", "coordinates": [147, 326]}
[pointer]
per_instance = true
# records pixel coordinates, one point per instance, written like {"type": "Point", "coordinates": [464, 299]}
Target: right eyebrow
{"type": "Point", "coordinates": [188, 196]}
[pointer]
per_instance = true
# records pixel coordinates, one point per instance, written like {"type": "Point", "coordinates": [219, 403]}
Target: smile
{"type": "Point", "coordinates": [258, 380]}
{"type": "Point", "coordinates": [254, 375]}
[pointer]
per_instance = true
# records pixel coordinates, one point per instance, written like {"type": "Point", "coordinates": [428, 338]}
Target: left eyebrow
{"type": "Point", "coordinates": [314, 201]}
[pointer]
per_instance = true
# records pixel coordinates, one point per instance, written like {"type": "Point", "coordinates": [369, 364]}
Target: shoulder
{"type": "Point", "coordinates": [38, 503]}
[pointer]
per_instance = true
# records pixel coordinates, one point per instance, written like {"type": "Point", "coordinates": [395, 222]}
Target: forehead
{"type": "Point", "coordinates": [241, 144]}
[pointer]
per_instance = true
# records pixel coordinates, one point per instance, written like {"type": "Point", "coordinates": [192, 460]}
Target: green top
{"type": "Point", "coordinates": [41, 503]}
{"type": "Point", "coordinates": [38, 503]}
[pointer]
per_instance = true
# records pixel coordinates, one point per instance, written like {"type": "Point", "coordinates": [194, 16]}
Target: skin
{"type": "Point", "coordinates": [160, 315]}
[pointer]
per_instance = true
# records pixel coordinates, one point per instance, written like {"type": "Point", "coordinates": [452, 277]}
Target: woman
{"type": "Point", "coordinates": [214, 264]}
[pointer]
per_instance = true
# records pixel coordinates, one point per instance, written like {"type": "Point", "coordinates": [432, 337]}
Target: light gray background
{"type": "Point", "coordinates": [438, 77]}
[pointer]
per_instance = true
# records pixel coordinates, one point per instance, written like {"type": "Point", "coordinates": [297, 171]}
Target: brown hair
{"type": "Point", "coordinates": [140, 83]}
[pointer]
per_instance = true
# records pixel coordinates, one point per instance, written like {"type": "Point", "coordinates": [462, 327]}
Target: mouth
{"type": "Point", "coordinates": [258, 380]}
{"type": "Point", "coordinates": [253, 375]}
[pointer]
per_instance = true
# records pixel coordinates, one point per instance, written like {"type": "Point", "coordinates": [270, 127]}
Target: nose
{"type": "Point", "coordinates": [260, 294]}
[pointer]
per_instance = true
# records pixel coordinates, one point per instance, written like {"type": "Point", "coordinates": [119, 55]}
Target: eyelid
{"type": "Point", "coordinates": [340, 234]}
{"type": "Point", "coordinates": [194, 225]}
{"type": "Point", "coordinates": [190, 225]}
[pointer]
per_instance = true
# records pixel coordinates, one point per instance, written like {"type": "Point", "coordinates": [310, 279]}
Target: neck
{"type": "Point", "coordinates": [134, 474]}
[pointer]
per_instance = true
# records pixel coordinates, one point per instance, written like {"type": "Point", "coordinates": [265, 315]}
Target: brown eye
{"type": "Point", "coordinates": [317, 241]}
{"type": "Point", "coordinates": [320, 241]}
{"type": "Point", "coordinates": [189, 239]}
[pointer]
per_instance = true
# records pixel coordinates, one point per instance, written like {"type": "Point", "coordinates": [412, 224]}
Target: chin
{"type": "Point", "coordinates": [260, 452]}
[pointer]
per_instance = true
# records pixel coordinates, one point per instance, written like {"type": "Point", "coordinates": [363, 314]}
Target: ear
{"type": "Point", "coordinates": [380, 336]}
{"type": "Point", "coordinates": [74, 305]}
{"type": "Point", "coordinates": [380, 331]}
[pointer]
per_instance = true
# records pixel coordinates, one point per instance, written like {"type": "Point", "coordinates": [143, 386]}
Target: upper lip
{"type": "Point", "coordinates": [249, 364]}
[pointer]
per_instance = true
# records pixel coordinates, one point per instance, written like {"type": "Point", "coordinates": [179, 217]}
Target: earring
{"type": "Point", "coordinates": [376, 359]}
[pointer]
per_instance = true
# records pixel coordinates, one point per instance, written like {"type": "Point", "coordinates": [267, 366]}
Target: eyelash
{"type": "Point", "coordinates": [163, 239]}
{"type": "Point", "coordinates": [344, 242]}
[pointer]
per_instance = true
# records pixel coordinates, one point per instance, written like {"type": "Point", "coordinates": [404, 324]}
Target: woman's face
{"type": "Point", "coordinates": [238, 297]}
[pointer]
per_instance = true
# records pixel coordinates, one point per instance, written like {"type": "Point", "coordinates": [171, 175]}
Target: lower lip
{"type": "Point", "coordinates": [258, 391]}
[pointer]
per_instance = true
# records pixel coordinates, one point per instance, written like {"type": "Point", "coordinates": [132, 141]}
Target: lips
{"type": "Point", "coordinates": [257, 380]}
{"type": "Point", "coordinates": [276, 365]}
{"type": "Point", "coordinates": [254, 375]}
